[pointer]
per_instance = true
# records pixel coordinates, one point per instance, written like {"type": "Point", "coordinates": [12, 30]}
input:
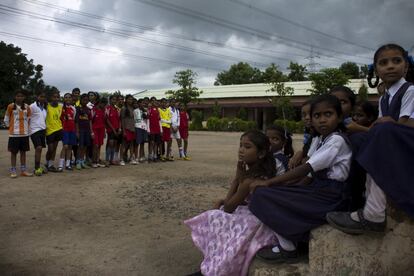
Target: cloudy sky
{"type": "Point", "coordinates": [133, 45]}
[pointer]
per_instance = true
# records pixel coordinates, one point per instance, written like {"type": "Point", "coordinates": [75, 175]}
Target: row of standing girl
{"type": "Point", "coordinates": [268, 213]}
{"type": "Point", "coordinates": [82, 122]}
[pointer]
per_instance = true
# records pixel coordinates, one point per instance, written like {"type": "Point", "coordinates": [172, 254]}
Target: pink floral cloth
{"type": "Point", "coordinates": [229, 241]}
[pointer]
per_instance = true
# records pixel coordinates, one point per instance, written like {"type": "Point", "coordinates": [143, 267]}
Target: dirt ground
{"type": "Point", "coordinates": [112, 221]}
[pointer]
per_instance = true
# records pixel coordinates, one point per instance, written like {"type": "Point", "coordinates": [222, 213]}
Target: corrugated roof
{"type": "Point", "coordinates": [251, 90]}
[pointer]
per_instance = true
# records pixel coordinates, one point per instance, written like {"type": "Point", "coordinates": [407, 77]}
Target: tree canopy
{"type": "Point", "coordinates": [188, 92]}
{"type": "Point", "coordinates": [16, 71]}
{"type": "Point", "coordinates": [350, 69]}
{"type": "Point", "coordinates": [297, 72]}
{"type": "Point", "coordinates": [326, 79]}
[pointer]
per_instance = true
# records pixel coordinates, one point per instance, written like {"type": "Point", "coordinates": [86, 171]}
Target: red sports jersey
{"type": "Point", "coordinates": [184, 118]}
{"type": "Point", "coordinates": [68, 118]}
{"type": "Point", "coordinates": [112, 114]}
{"type": "Point", "coordinates": [98, 118]}
{"type": "Point", "coordinates": [154, 120]}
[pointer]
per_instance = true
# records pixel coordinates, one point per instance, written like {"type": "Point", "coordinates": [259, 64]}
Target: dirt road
{"type": "Point", "coordinates": [111, 221]}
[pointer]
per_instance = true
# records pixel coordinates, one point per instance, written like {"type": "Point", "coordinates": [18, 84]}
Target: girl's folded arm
{"type": "Point", "coordinates": [238, 197]}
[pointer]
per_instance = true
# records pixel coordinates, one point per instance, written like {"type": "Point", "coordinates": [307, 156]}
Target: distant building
{"type": "Point", "coordinates": [255, 98]}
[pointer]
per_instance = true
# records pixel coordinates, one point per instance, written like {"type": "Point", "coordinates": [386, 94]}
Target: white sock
{"type": "Point", "coordinates": [49, 163]}
{"type": "Point", "coordinates": [61, 162]}
{"type": "Point", "coordinates": [284, 243]}
{"type": "Point", "coordinates": [67, 163]}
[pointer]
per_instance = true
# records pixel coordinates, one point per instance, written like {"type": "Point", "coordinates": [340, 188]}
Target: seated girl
{"type": "Point", "coordinates": [230, 235]}
{"type": "Point", "coordinates": [292, 210]}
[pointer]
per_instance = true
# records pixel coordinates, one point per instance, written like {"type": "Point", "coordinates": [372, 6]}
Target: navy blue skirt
{"type": "Point", "coordinates": [388, 156]}
{"type": "Point", "coordinates": [292, 211]}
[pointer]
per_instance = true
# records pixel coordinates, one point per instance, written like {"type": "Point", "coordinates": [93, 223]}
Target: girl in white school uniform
{"type": "Point", "coordinates": [296, 202]}
{"type": "Point", "coordinates": [387, 150]}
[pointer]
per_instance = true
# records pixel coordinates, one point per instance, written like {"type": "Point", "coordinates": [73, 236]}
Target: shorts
{"type": "Point", "coordinates": [166, 134]}
{"type": "Point", "coordinates": [183, 133]}
{"type": "Point", "coordinates": [99, 136]}
{"type": "Point", "coordinates": [175, 135]}
{"type": "Point", "coordinates": [69, 138]}
{"type": "Point", "coordinates": [112, 136]}
{"type": "Point", "coordinates": [17, 144]}
{"type": "Point", "coordinates": [155, 137]}
{"type": "Point", "coordinates": [56, 136]}
{"type": "Point", "coordinates": [39, 138]}
{"type": "Point", "coordinates": [141, 136]}
{"type": "Point", "coordinates": [85, 139]}
{"type": "Point", "coordinates": [129, 136]}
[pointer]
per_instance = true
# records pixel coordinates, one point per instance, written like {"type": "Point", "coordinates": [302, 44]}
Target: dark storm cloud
{"type": "Point", "coordinates": [365, 25]}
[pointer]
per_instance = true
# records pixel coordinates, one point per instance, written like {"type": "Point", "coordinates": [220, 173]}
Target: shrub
{"type": "Point", "coordinates": [229, 124]}
{"type": "Point", "coordinates": [196, 120]}
{"type": "Point", "coordinates": [291, 126]}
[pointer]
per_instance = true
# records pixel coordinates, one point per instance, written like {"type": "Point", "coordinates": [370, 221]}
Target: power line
{"type": "Point", "coordinates": [238, 27]}
{"type": "Point", "coordinates": [299, 25]}
{"type": "Point", "coordinates": [99, 50]}
{"type": "Point", "coordinates": [156, 32]}
{"type": "Point", "coordinates": [121, 33]}
{"type": "Point", "coordinates": [178, 36]}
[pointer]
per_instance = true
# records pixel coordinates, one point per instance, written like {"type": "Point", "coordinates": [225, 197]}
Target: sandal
{"type": "Point", "coordinates": [267, 254]}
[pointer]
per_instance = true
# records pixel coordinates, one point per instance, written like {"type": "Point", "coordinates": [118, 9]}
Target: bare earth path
{"type": "Point", "coordinates": [111, 221]}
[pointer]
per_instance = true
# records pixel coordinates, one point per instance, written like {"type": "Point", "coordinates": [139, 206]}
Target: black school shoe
{"type": "Point", "coordinates": [343, 221]}
{"type": "Point", "coordinates": [52, 169]}
{"type": "Point", "coordinates": [283, 256]}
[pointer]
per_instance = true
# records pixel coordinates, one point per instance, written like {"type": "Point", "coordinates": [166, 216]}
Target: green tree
{"type": "Point", "coordinates": [242, 114]}
{"type": "Point", "coordinates": [186, 79]}
{"type": "Point", "coordinates": [363, 93]}
{"type": "Point", "coordinates": [281, 101]}
{"type": "Point", "coordinates": [297, 72]}
{"type": "Point", "coordinates": [327, 78]}
{"type": "Point", "coordinates": [350, 69]}
{"type": "Point", "coordinates": [16, 71]}
{"type": "Point", "coordinates": [273, 74]}
{"type": "Point", "coordinates": [216, 110]}
{"type": "Point", "coordinates": [240, 73]}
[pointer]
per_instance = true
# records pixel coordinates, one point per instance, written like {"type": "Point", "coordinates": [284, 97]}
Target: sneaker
{"type": "Point", "coordinates": [69, 168]}
{"type": "Point", "coordinates": [122, 163]}
{"type": "Point", "coordinates": [52, 169]}
{"type": "Point", "coordinates": [171, 158]}
{"type": "Point", "coordinates": [38, 172]}
{"type": "Point", "coordinates": [79, 166]}
{"type": "Point", "coordinates": [25, 173]}
{"type": "Point", "coordinates": [13, 174]}
{"type": "Point", "coordinates": [84, 166]}
{"type": "Point", "coordinates": [60, 169]}
{"type": "Point", "coordinates": [44, 170]}
{"type": "Point", "coordinates": [115, 163]}
{"type": "Point", "coordinates": [163, 159]}
{"type": "Point", "coordinates": [94, 165]}
{"type": "Point", "coordinates": [133, 162]}
{"type": "Point", "coordinates": [142, 160]}
{"type": "Point", "coordinates": [187, 158]}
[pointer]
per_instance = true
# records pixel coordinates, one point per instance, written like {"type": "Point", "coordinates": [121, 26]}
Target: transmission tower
{"type": "Point", "coordinates": [312, 63]}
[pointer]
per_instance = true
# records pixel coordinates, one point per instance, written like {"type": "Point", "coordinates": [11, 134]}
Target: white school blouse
{"type": "Point", "coordinates": [332, 153]}
{"type": "Point", "coordinates": [407, 101]}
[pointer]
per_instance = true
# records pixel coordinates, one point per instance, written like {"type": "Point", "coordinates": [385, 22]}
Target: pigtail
{"type": "Point", "coordinates": [410, 72]}
{"type": "Point", "coordinates": [288, 148]}
{"type": "Point", "coordinates": [371, 75]}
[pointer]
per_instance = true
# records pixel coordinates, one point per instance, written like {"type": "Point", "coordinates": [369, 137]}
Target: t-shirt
{"type": "Point", "coordinates": [83, 116]}
{"type": "Point", "coordinates": [38, 118]}
{"type": "Point", "coordinates": [154, 120]}
{"type": "Point", "coordinates": [332, 153]}
{"type": "Point", "coordinates": [184, 118]}
{"type": "Point", "coordinates": [98, 118]}
{"type": "Point", "coordinates": [17, 119]}
{"type": "Point", "coordinates": [68, 118]}
{"type": "Point", "coordinates": [139, 119]}
{"type": "Point", "coordinates": [165, 115]}
{"type": "Point", "coordinates": [112, 114]}
{"type": "Point", "coordinates": [175, 117]}
{"type": "Point", "coordinates": [53, 122]}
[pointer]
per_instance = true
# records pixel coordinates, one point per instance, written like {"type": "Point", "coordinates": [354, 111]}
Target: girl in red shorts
{"type": "Point", "coordinates": [183, 129]}
{"type": "Point", "coordinates": [98, 128]}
